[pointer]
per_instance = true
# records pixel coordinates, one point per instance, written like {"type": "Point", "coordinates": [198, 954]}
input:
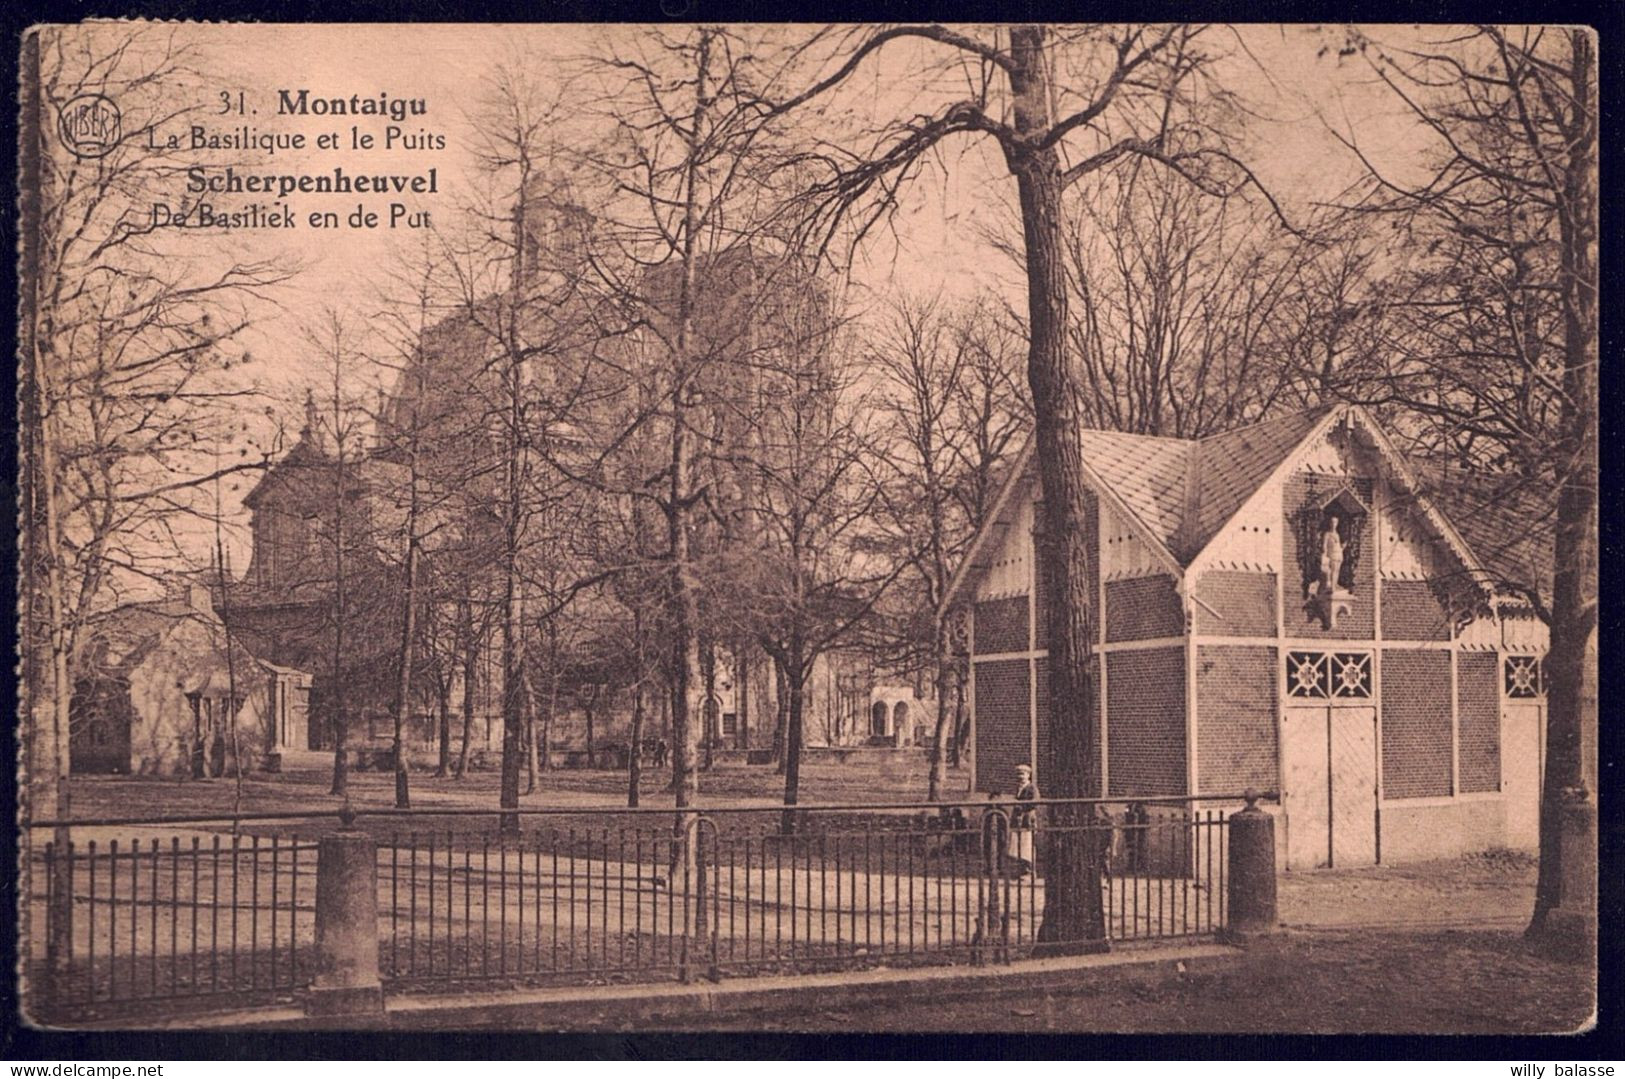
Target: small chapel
{"type": "Point", "coordinates": [1286, 607]}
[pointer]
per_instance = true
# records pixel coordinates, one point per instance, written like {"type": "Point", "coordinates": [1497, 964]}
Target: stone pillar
{"type": "Point", "coordinates": [1571, 926]}
{"type": "Point", "coordinates": [346, 981]}
{"type": "Point", "coordinates": [1251, 869]}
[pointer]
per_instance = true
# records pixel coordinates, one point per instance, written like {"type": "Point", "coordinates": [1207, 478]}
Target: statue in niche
{"type": "Point", "coordinates": [1328, 600]}
{"type": "Point", "coordinates": [1329, 534]}
{"type": "Point", "coordinates": [1331, 552]}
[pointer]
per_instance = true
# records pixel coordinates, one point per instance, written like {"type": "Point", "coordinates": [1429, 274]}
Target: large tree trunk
{"type": "Point", "coordinates": [46, 766]}
{"type": "Point", "coordinates": [45, 712]}
{"type": "Point", "coordinates": [1571, 720]}
{"type": "Point", "coordinates": [1074, 917]}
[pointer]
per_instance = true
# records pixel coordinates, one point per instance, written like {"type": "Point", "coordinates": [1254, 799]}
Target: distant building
{"type": "Point", "coordinates": [898, 717]}
{"type": "Point", "coordinates": [1279, 607]}
{"type": "Point", "coordinates": [156, 696]}
{"type": "Point", "coordinates": [284, 606]}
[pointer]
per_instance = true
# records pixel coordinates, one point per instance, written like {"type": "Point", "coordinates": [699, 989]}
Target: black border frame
{"type": "Point", "coordinates": [1604, 1041]}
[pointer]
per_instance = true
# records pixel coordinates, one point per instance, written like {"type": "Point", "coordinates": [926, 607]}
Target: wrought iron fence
{"type": "Point", "coordinates": [166, 918]}
{"type": "Point", "coordinates": [570, 895]}
{"type": "Point", "coordinates": [725, 892]}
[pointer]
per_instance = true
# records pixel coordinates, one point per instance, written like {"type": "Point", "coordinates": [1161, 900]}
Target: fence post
{"type": "Point", "coordinates": [1571, 925]}
{"type": "Point", "coordinates": [708, 878]}
{"type": "Point", "coordinates": [683, 851]}
{"type": "Point", "coordinates": [1251, 865]}
{"type": "Point", "coordinates": [346, 981]}
{"type": "Point", "coordinates": [59, 913]}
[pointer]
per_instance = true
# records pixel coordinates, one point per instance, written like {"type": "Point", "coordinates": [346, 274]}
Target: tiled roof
{"type": "Point", "coordinates": [1234, 464]}
{"type": "Point", "coordinates": [1182, 490]}
{"type": "Point", "coordinates": [1507, 522]}
{"type": "Point", "coordinates": [1146, 472]}
{"type": "Point", "coordinates": [1149, 473]}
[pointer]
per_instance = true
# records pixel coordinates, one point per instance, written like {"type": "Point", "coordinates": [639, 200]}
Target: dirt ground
{"type": "Point", "coordinates": [306, 789]}
{"type": "Point", "coordinates": [1428, 948]}
{"type": "Point", "coordinates": [1310, 982]}
{"type": "Point", "coordinates": [1490, 891]}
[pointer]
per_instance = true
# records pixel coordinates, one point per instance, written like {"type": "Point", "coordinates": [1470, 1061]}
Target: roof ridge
{"type": "Point", "coordinates": [1315, 410]}
{"type": "Point", "coordinates": [1171, 439]}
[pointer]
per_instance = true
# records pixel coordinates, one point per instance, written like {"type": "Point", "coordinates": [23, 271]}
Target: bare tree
{"type": "Point", "coordinates": [684, 252]}
{"type": "Point", "coordinates": [814, 571]}
{"type": "Point", "coordinates": [991, 403]}
{"type": "Point", "coordinates": [125, 347]}
{"type": "Point", "coordinates": [222, 586]}
{"type": "Point", "coordinates": [1183, 303]}
{"type": "Point", "coordinates": [1059, 105]}
{"type": "Point", "coordinates": [526, 320]}
{"type": "Point", "coordinates": [340, 428]}
{"type": "Point", "coordinates": [402, 442]}
{"type": "Point", "coordinates": [1497, 347]}
{"type": "Point", "coordinates": [921, 360]}
{"type": "Point", "coordinates": [992, 410]}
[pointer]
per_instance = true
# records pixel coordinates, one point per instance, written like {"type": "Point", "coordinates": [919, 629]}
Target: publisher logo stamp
{"type": "Point", "coordinates": [90, 125]}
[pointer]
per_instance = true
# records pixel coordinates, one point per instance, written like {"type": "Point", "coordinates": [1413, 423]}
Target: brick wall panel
{"type": "Point", "coordinates": [1001, 625]}
{"type": "Point", "coordinates": [1143, 608]}
{"type": "Point", "coordinates": [1415, 723]}
{"type": "Point", "coordinates": [1146, 721]}
{"type": "Point", "coordinates": [1236, 730]}
{"type": "Point", "coordinates": [1245, 603]}
{"type": "Point", "coordinates": [1003, 722]}
{"type": "Point", "coordinates": [1412, 611]}
{"type": "Point", "coordinates": [1479, 723]}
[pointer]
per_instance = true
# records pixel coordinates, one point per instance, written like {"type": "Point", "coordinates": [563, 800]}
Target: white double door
{"type": "Point", "coordinates": [1329, 774]}
{"type": "Point", "coordinates": [1523, 728]}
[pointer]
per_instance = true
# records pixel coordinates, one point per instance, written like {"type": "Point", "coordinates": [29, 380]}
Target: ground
{"type": "Point", "coordinates": [1333, 981]}
{"type": "Point", "coordinates": [1434, 947]}
{"type": "Point", "coordinates": [302, 790]}
{"type": "Point", "coordinates": [1428, 948]}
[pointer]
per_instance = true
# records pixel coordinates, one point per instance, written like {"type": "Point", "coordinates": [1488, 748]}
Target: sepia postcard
{"type": "Point", "coordinates": [795, 528]}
